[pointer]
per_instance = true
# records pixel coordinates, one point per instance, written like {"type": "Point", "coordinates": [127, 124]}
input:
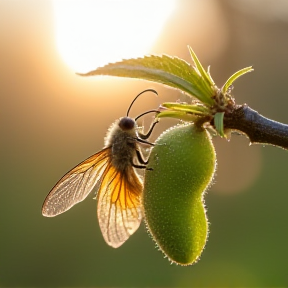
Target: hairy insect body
{"type": "Point", "coordinates": [119, 186]}
{"type": "Point", "coordinates": [123, 144]}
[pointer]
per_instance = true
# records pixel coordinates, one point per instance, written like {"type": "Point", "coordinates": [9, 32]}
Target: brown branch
{"type": "Point", "coordinates": [258, 128]}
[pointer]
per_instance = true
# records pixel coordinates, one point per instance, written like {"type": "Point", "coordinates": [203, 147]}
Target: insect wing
{"type": "Point", "coordinates": [75, 186]}
{"type": "Point", "coordinates": [119, 207]}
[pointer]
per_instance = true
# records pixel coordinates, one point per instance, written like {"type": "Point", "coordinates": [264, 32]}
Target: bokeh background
{"type": "Point", "coordinates": [52, 119]}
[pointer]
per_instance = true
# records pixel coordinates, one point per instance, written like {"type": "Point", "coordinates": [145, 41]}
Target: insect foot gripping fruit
{"type": "Point", "coordinates": [181, 167]}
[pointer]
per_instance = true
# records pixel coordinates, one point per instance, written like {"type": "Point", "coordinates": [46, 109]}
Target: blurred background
{"type": "Point", "coordinates": [52, 119]}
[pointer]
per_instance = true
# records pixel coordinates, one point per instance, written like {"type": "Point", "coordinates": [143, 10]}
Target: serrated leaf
{"type": "Point", "coordinates": [233, 77]}
{"type": "Point", "coordinates": [171, 71]}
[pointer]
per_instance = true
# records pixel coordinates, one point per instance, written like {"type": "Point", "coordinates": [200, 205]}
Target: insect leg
{"type": "Point", "coordinates": [141, 161]}
{"type": "Point", "coordinates": [140, 158]}
{"type": "Point", "coordinates": [144, 141]}
{"type": "Point", "coordinates": [139, 166]}
{"type": "Point", "coordinates": [147, 135]}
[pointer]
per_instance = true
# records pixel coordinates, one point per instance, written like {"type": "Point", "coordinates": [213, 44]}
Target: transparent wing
{"type": "Point", "coordinates": [119, 205]}
{"type": "Point", "coordinates": [75, 186]}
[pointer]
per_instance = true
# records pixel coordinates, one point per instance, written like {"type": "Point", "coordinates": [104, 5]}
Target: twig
{"type": "Point", "coordinates": [258, 128]}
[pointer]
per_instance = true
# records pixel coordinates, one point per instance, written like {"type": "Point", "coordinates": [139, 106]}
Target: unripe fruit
{"type": "Point", "coordinates": [183, 163]}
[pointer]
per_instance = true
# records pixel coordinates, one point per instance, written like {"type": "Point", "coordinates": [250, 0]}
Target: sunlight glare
{"type": "Point", "coordinates": [92, 33]}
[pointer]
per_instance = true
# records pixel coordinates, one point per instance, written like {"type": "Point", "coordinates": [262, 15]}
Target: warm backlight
{"type": "Point", "coordinates": [93, 33]}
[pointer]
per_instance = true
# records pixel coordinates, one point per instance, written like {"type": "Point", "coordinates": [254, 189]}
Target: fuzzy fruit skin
{"type": "Point", "coordinates": [183, 162]}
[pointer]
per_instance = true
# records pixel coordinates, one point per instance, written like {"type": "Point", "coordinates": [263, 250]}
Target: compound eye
{"type": "Point", "coordinates": [127, 123]}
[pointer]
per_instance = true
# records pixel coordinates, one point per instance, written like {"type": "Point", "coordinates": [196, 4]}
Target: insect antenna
{"type": "Point", "coordinates": [142, 136]}
{"type": "Point", "coordinates": [147, 90]}
{"type": "Point", "coordinates": [147, 112]}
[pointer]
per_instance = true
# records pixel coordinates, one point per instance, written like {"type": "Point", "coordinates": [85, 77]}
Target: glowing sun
{"type": "Point", "coordinates": [92, 33]}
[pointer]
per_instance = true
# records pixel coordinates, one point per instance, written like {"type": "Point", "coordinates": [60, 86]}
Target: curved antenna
{"type": "Point", "coordinates": [147, 90]}
{"type": "Point", "coordinates": [147, 112]}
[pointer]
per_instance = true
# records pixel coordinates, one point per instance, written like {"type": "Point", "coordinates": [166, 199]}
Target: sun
{"type": "Point", "coordinates": [92, 33]}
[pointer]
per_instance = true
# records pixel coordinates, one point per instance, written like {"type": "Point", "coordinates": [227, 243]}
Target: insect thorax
{"type": "Point", "coordinates": [123, 145]}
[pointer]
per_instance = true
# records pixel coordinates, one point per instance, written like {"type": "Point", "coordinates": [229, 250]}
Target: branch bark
{"type": "Point", "coordinates": [258, 128]}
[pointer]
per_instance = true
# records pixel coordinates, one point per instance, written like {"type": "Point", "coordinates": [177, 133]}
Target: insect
{"type": "Point", "coordinates": [113, 169]}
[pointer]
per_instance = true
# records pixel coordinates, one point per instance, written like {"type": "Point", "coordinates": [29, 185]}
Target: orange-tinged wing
{"type": "Point", "coordinates": [119, 205]}
{"type": "Point", "coordinates": [75, 186]}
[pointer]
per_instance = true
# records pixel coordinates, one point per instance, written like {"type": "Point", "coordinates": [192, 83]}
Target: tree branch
{"type": "Point", "coordinates": [258, 128]}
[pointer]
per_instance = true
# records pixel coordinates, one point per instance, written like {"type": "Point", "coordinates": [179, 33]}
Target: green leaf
{"type": "Point", "coordinates": [218, 122]}
{"type": "Point", "coordinates": [171, 71]}
{"type": "Point", "coordinates": [195, 109]}
{"type": "Point", "coordinates": [181, 115]}
{"type": "Point", "coordinates": [201, 70]}
{"type": "Point", "coordinates": [234, 77]}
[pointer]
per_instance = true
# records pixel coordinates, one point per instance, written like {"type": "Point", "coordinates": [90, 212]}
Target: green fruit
{"type": "Point", "coordinates": [181, 167]}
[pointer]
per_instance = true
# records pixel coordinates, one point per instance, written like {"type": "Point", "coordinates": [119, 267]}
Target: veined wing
{"type": "Point", "coordinates": [75, 186]}
{"type": "Point", "coordinates": [119, 204]}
